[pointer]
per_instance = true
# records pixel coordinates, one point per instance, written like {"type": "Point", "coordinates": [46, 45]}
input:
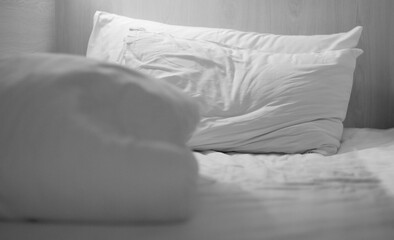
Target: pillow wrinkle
{"type": "Point", "coordinates": [279, 97]}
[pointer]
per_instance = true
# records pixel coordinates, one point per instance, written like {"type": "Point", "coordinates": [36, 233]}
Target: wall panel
{"type": "Point", "coordinates": [27, 26]}
{"type": "Point", "coordinates": [391, 66]}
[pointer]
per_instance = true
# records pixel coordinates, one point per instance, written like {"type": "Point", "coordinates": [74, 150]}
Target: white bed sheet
{"type": "Point", "coordinates": [242, 196]}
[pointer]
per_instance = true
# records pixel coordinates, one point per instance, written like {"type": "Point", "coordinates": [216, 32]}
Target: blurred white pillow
{"type": "Point", "coordinates": [91, 141]}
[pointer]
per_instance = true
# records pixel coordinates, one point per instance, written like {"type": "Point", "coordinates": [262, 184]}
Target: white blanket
{"type": "Point", "coordinates": [242, 196]}
{"type": "Point", "coordinates": [82, 140]}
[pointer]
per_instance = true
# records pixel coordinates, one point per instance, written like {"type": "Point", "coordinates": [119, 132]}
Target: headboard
{"type": "Point", "coordinates": [64, 26]}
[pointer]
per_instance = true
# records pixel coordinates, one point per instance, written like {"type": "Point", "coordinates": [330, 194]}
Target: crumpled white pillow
{"type": "Point", "coordinates": [109, 30]}
{"type": "Point", "coordinates": [90, 141]}
{"type": "Point", "coordinates": [252, 101]}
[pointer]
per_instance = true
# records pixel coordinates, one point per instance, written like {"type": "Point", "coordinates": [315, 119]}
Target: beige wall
{"type": "Point", "coordinates": [27, 26]}
{"type": "Point", "coordinates": [391, 65]}
{"type": "Point", "coordinates": [372, 101]}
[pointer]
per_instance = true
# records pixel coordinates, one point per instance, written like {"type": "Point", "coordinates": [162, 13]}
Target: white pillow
{"type": "Point", "coordinates": [252, 101]}
{"type": "Point", "coordinates": [90, 141]}
{"type": "Point", "coordinates": [109, 30]}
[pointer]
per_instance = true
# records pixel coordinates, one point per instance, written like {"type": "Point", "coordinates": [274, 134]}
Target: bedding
{"type": "Point", "coordinates": [83, 140]}
{"type": "Point", "coordinates": [349, 195]}
{"type": "Point", "coordinates": [252, 101]}
{"type": "Point", "coordinates": [109, 31]}
{"type": "Point", "coordinates": [257, 93]}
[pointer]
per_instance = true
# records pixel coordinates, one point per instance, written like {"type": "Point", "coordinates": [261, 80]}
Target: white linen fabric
{"type": "Point", "coordinates": [252, 101]}
{"type": "Point", "coordinates": [349, 195]}
{"type": "Point", "coordinates": [91, 141]}
{"type": "Point", "coordinates": [364, 159]}
{"type": "Point", "coordinates": [109, 30]}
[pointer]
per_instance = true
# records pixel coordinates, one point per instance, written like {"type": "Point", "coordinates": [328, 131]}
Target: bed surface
{"type": "Point", "coordinates": [243, 196]}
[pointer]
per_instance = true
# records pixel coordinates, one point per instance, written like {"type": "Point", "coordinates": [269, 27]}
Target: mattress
{"type": "Point", "coordinates": [349, 195]}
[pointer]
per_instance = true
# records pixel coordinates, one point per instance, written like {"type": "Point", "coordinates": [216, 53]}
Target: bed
{"type": "Point", "coordinates": [306, 152]}
{"type": "Point", "coordinates": [302, 197]}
